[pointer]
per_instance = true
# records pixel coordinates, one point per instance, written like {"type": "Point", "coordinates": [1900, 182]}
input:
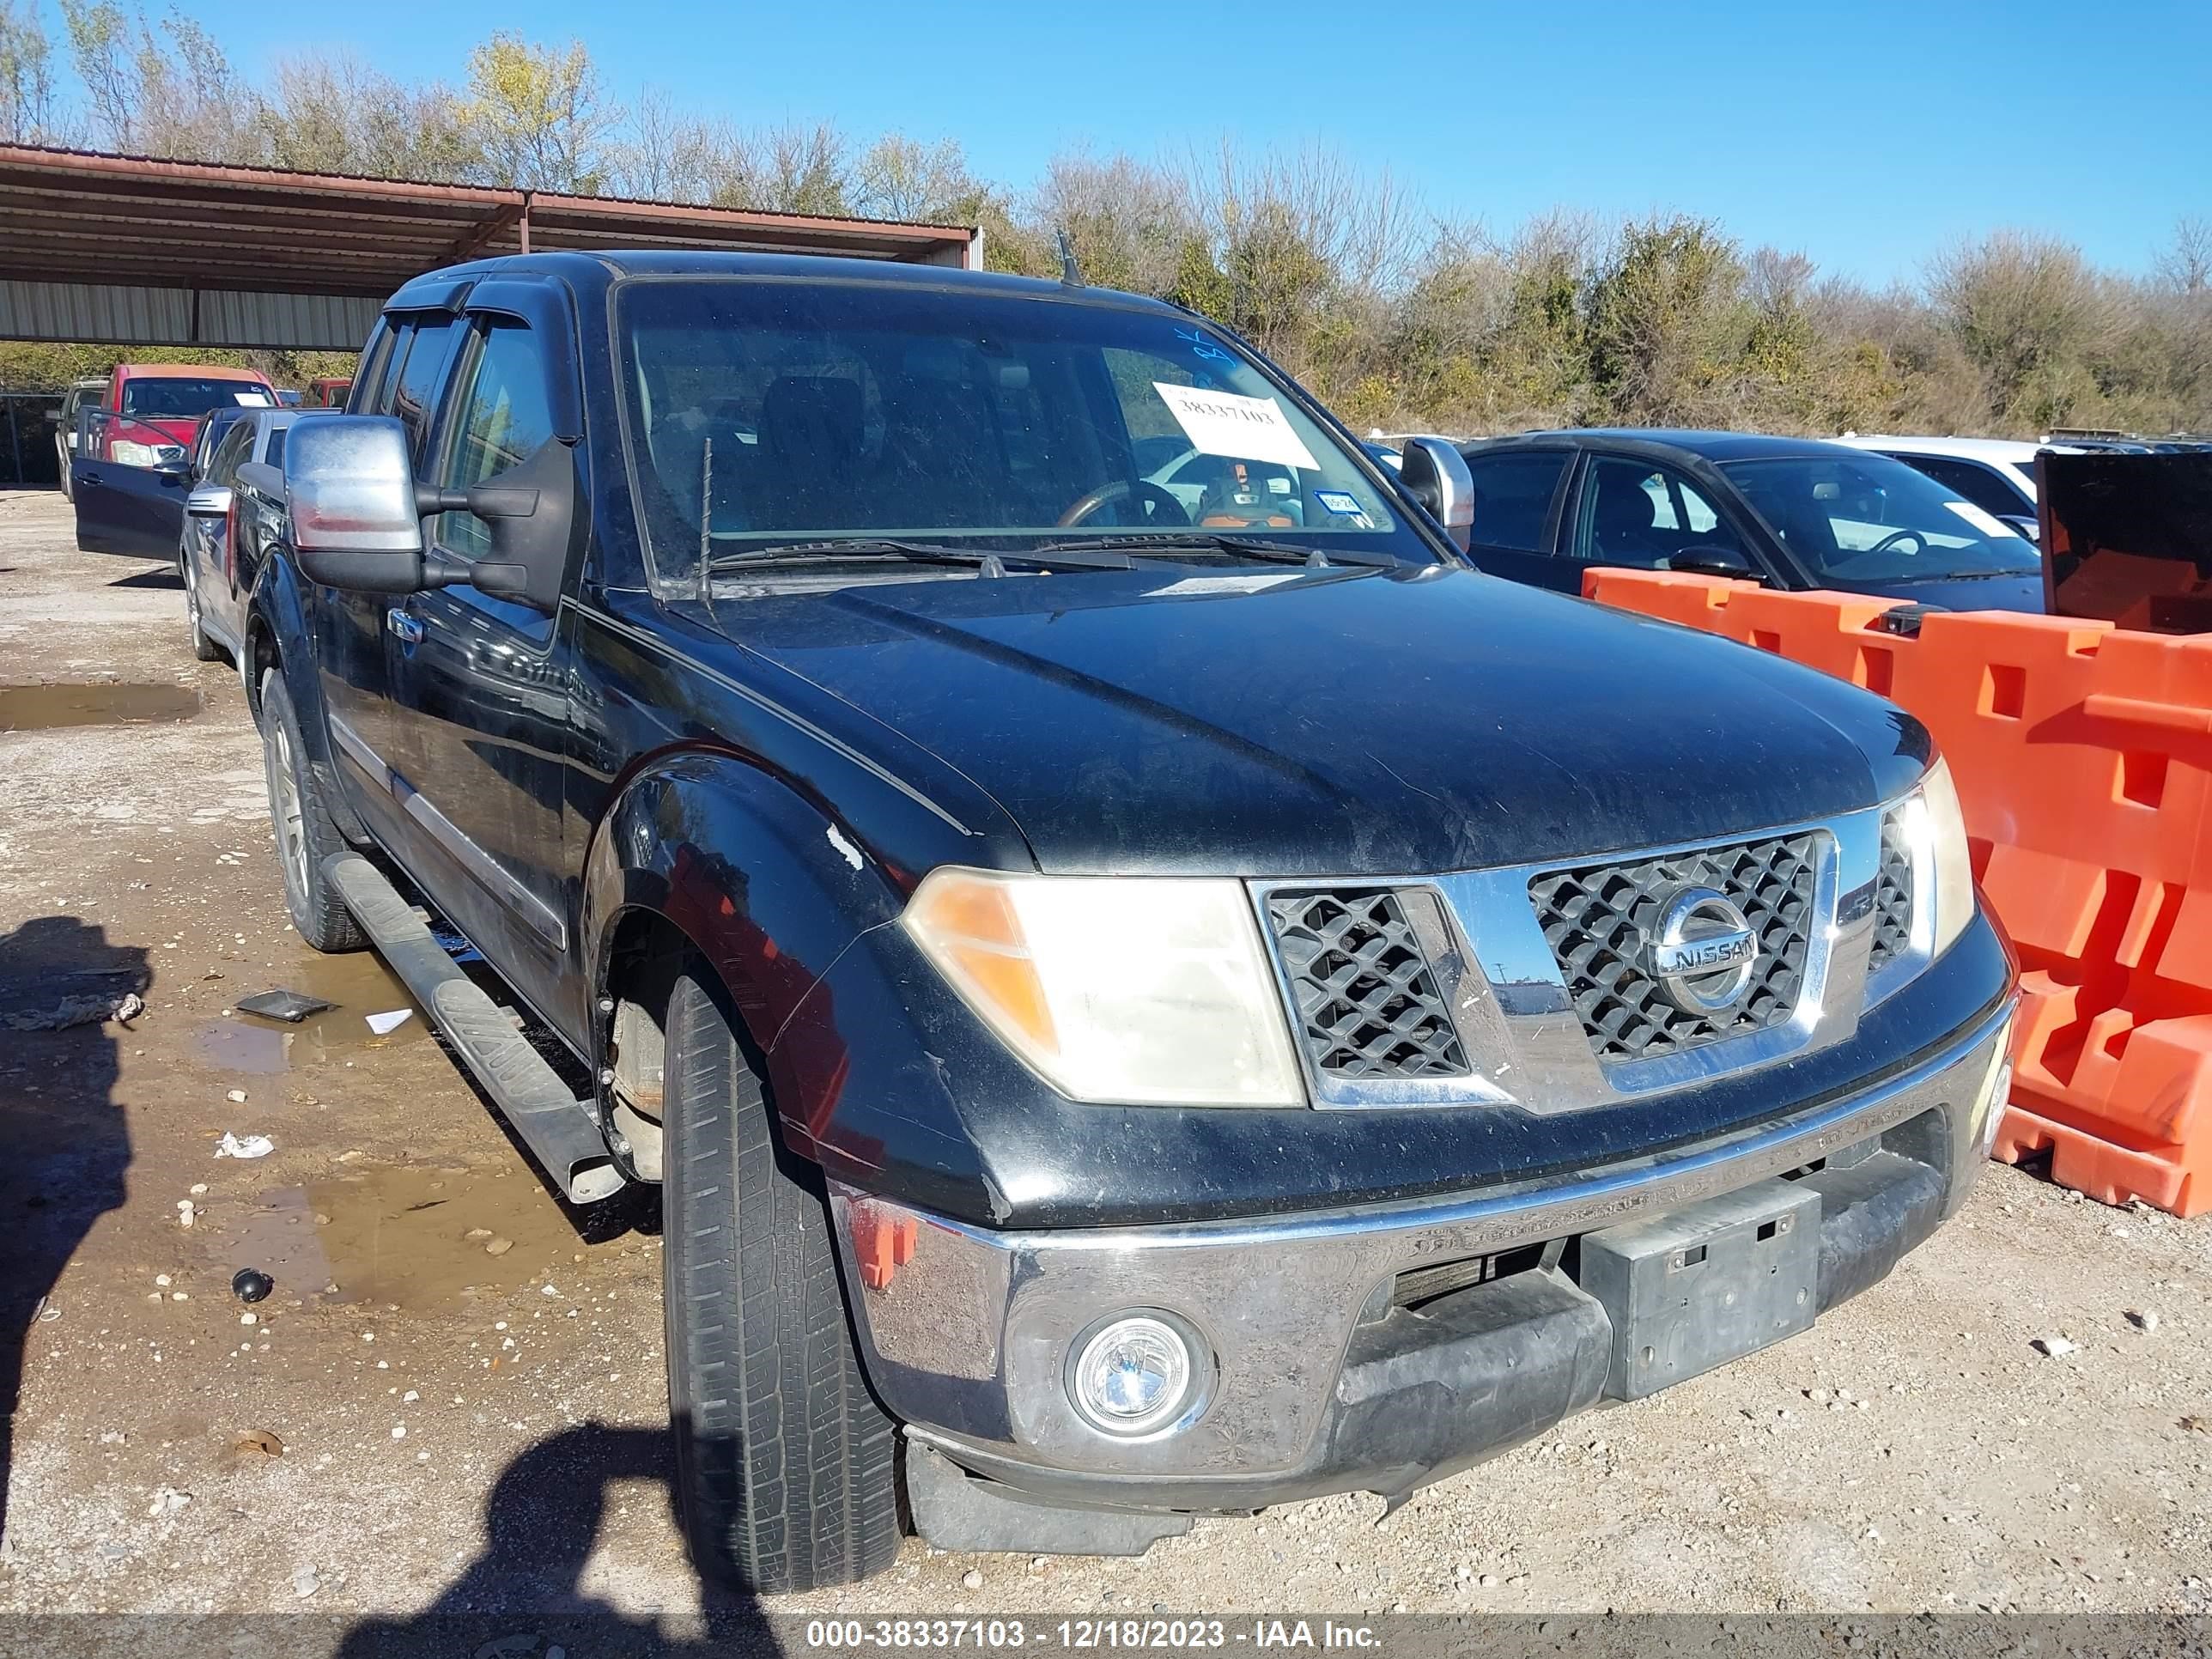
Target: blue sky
{"type": "Point", "coordinates": [1868, 135]}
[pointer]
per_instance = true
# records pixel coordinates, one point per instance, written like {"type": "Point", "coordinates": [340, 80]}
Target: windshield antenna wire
{"type": "Point", "coordinates": [707, 522]}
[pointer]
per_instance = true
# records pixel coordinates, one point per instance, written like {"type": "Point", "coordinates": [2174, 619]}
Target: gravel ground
{"type": "Point", "coordinates": [453, 1401]}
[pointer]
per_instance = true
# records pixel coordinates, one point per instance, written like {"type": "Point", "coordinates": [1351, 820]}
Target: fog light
{"type": "Point", "coordinates": [1134, 1373]}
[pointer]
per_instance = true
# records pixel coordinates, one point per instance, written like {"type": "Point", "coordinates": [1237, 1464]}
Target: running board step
{"type": "Point", "coordinates": [558, 1128]}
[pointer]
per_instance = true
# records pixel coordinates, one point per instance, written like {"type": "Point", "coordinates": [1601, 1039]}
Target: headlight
{"type": "Point", "coordinates": [1115, 988]}
{"type": "Point", "coordinates": [1937, 831]}
{"type": "Point", "coordinates": [127, 454]}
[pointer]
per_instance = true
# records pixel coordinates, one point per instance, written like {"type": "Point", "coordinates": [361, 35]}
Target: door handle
{"type": "Point", "coordinates": [409, 628]}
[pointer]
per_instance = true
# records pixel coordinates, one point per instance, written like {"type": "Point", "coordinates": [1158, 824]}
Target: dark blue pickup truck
{"type": "Point", "coordinates": [1148, 985]}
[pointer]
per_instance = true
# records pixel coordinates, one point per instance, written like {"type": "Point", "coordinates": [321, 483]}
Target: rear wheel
{"type": "Point", "coordinates": [783, 1458]}
{"type": "Point", "coordinates": [304, 833]}
{"type": "Point", "coordinates": [202, 648]}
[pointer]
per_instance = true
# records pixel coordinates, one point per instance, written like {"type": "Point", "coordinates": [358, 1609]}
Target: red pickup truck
{"type": "Point", "coordinates": [128, 476]}
{"type": "Point", "coordinates": [170, 397]}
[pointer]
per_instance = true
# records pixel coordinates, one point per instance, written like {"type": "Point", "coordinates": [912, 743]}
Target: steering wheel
{"type": "Point", "coordinates": [1160, 504]}
{"type": "Point", "coordinates": [1919, 544]}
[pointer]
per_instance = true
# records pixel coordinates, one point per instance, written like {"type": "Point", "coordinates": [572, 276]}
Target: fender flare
{"type": "Point", "coordinates": [765, 883]}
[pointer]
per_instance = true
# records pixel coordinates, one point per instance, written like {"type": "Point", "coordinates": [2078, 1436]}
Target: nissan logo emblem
{"type": "Point", "coordinates": [1703, 951]}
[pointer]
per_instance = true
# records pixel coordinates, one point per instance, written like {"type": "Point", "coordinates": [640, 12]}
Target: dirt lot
{"type": "Point", "coordinates": [466, 1430]}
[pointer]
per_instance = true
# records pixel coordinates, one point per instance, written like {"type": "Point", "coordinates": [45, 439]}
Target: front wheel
{"type": "Point", "coordinates": [783, 1459]}
{"type": "Point", "coordinates": [304, 833]}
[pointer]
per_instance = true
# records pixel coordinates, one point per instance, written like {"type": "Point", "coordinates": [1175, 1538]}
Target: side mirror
{"type": "Point", "coordinates": [357, 514]}
{"type": "Point", "coordinates": [350, 500]}
{"type": "Point", "coordinates": [1435, 475]}
{"type": "Point", "coordinates": [2024, 523]}
{"type": "Point", "coordinates": [1710, 559]}
{"type": "Point", "coordinates": [209, 501]}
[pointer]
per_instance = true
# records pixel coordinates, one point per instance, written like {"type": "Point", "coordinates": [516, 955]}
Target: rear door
{"type": "Point", "coordinates": [128, 483]}
{"type": "Point", "coordinates": [481, 682]}
{"type": "Point", "coordinates": [1516, 511]}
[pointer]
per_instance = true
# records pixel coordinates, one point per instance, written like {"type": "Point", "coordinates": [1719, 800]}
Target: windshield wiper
{"type": "Point", "coordinates": [1156, 546]}
{"type": "Point", "coordinates": [868, 549]}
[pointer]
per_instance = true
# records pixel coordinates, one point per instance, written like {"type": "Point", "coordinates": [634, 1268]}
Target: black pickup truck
{"type": "Point", "coordinates": [1142, 998]}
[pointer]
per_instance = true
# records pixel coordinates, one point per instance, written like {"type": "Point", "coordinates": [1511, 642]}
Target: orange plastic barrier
{"type": "Point", "coordinates": [2083, 755]}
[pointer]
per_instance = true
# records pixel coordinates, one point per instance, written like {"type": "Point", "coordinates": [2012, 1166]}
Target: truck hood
{"type": "Point", "coordinates": [177, 429]}
{"type": "Point", "coordinates": [1274, 722]}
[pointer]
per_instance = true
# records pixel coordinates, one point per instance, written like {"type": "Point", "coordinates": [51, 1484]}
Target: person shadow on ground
{"type": "Point", "coordinates": [523, 1597]}
{"type": "Point", "coordinates": [65, 1145]}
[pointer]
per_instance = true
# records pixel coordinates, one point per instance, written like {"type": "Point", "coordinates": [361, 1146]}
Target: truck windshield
{"type": "Point", "coordinates": [772, 413]}
{"type": "Point", "coordinates": [1871, 518]}
{"type": "Point", "coordinates": [179, 396]}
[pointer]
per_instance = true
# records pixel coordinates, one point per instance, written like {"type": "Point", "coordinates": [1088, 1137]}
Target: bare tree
{"type": "Point", "coordinates": [29, 112]}
{"type": "Point", "coordinates": [901, 178]}
{"type": "Point", "coordinates": [540, 114]}
{"type": "Point", "coordinates": [2186, 262]}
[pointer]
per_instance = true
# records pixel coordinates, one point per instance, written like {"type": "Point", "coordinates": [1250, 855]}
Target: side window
{"type": "Point", "coordinates": [275, 456]}
{"type": "Point", "coordinates": [414, 397]}
{"type": "Point", "coordinates": [371, 388]}
{"type": "Point", "coordinates": [1513, 496]}
{"type": "Point", "coordinates": [1636, 514]}
{"type": "Point", "coordinates": [497, 419]}
{"type": "Point", "coordinates": [1971, 481]}
{"type": "Point", "coordinates": [230, 453]}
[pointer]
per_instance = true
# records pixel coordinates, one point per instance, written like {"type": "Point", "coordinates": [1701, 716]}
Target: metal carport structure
{"type": "Point", "coordinates": [137, 251]}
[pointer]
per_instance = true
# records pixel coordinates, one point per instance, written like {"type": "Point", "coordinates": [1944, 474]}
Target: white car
{"type": "Point", "coordinates": [1996, 474]}
{"type": "Point", "coordinates": [80, 393]}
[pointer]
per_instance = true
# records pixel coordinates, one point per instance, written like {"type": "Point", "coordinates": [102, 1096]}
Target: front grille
{"type": "Point", "coordinates": [1599, 918]}
{"type": "Point", "coordinates": [1368, 1002]}
{"type": "Point", "coordinates": [1893, 895]}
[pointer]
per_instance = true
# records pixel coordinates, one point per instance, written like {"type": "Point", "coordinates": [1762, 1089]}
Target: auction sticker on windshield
{"type": "Point", "coordinates": [1243, 428]}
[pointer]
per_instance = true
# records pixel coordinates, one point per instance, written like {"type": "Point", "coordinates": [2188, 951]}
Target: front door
{"type": "Point", "coordinates": [482, 694]}
{"type": "Point", "coordinates": [1639, 514]}
{"type": "Point", "coordinates": [358, 634]}
{"type": "Point", "coordinates": [128, 482]}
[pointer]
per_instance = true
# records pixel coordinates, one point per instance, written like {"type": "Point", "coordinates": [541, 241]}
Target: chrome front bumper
{"type": "Point", "coordinates": [1319, 1385]}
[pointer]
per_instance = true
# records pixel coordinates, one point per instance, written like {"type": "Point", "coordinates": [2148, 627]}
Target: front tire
{"type": "Point", "coordinates": [306, 835]}
{"type": "Point", "coordinates": [784, 1460]}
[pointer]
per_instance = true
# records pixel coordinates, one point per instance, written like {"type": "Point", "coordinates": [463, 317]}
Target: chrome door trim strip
{"type": "Point", "coordinates": [357, 750]}
{"type": "Point", "coordinates": [544, 920]}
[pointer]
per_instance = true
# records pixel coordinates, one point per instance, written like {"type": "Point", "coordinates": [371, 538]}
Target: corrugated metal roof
{"type": "Point", "coordinates": [77, 310]}
{"type": "Point", "coordinates": [82, 215]}
{"type": "Point", "coordinates": [98, 246]}
{"type": "Point", "coordinates": [178, 316]}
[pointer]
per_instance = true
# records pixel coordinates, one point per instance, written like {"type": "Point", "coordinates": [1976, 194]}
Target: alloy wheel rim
{"type": "Point", "coordinates": [291, 822]}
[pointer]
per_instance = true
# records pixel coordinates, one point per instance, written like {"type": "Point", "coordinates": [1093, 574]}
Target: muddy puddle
{"type": "Point", "coordinates": [46, 707]}
{"type": "Point", "coordinates": [356, 984]}
{"type": "Point", "coordinates": [413, 1236]}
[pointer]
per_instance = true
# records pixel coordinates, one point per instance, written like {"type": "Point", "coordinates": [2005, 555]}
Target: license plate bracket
{"type": "Point", "coordinates": [1706, 1284]}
